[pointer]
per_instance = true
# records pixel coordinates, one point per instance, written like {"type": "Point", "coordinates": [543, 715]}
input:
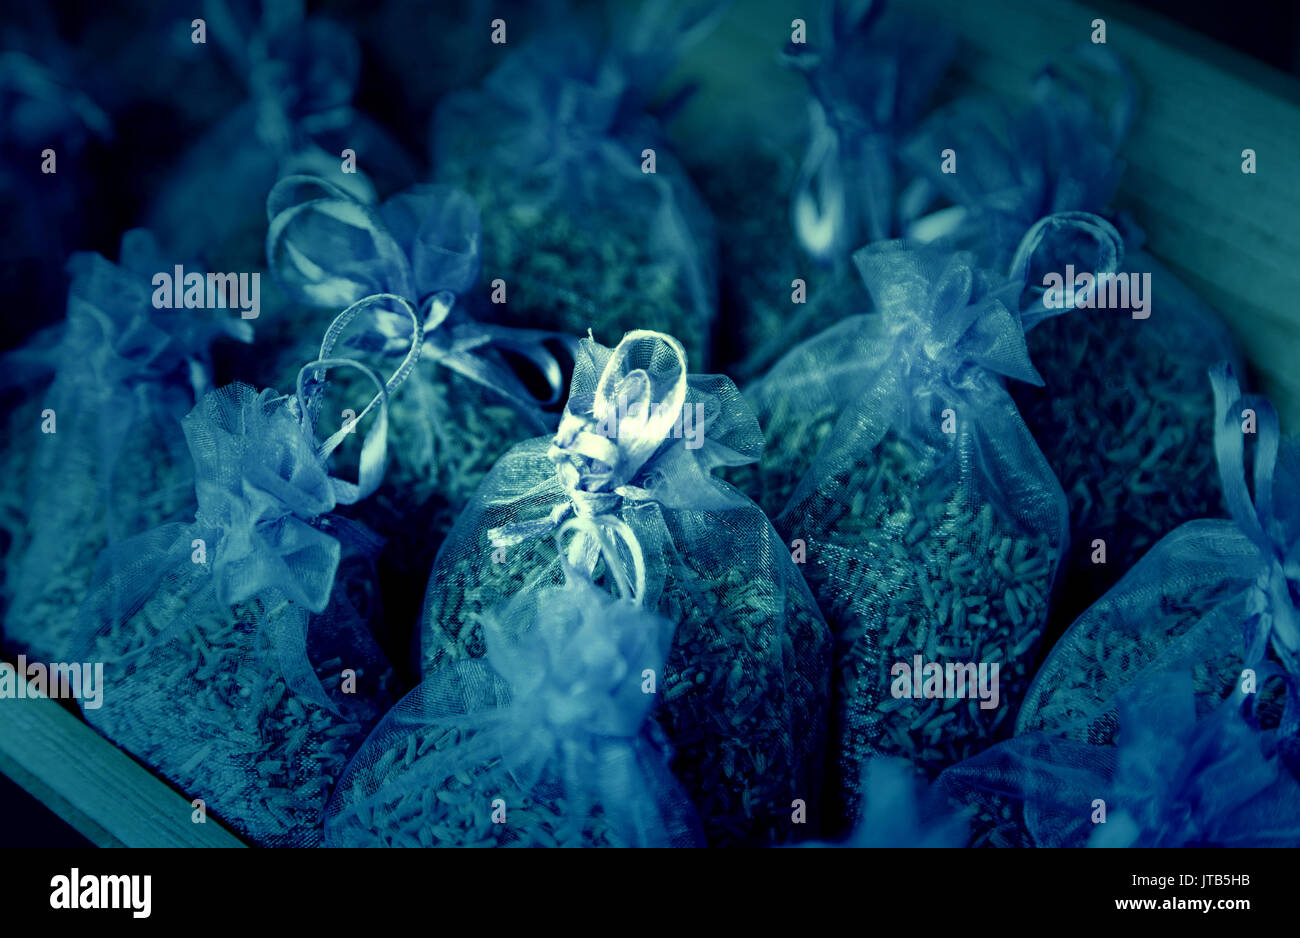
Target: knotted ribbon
{"type": "Point", "coordinates": [1274, 599]}
{"type": "Point", "coordinates": [262, 484]}
{"type": "Point", "coordinates": [613, 450]}
{"type": "Point", "coordinates": [328, 247]}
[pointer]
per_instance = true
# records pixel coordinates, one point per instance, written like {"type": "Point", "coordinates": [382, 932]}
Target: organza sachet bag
{"type": "Point", "coordinates": [237, 648]}
{"type": "Point", "coordinates": [1125, 405]}
{"type": "Point", "coordinates": [557, 149]}
{"type": "Point", "coordinates": [545, 741]}
{"type": "Point", "coordinates": [300, 74]}
{"type": "Point", "coordinates": [929, 522]}
{"type": "Point", "coordinates": [743, 692]}
{"type": "Point", "coordinates": [478, 388]}
{"type": "Point", "coordinates": [1180, 770]}
{"type": "Point", "coordinates": [94, 453]}
{"type": "Point", "coordinates": [870, 74]}
{"type": "Point", "coordinates": [1215, 600]}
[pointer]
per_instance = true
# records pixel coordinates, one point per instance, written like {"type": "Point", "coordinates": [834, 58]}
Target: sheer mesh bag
{"type": "Point", "coordinates": [930, 524]}
{"type": "Point", "coordinates": [239, 662]}
{"type": "Point", "coordinates": [1125, 405]}
{"type": "Point", "coordinates": [553, 147]}
{"type": "Point", "coordinates": [99, 457]}
{"type": "Point", "coordinates": [1173, 699]}
{"type": "Point", "coordinates": [743, 693]}
{"type": "Point", "coordinates": [545, 741]}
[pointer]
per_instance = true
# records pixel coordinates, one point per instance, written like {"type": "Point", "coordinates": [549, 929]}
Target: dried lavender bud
{"type": "Point", "coordinates": [537, 817]}
{"type": "Point", "coordinates": [571, 268]}
{"type": "Point", "coordinates": [150, 484]}
{"type": "Point", "coordinates": [794, 438]}
{"type": "Point", "coordinates": [739, 749]}
{"type": "Point", "coordinates": [910, 565]}
{"type": "Point", "coordinates": [210, 710]}
{"type": "Point", "coordinates": [1124, 422]}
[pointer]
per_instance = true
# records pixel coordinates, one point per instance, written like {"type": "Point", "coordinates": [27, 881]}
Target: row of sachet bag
{"type": "Point", "coordinates": [917, 514]}
{"type": "Point", "coordinates": [618, 647]}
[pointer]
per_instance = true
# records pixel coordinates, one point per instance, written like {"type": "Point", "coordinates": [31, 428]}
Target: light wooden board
{"type": "Point", "coordinates": [94, 786]}
{"type": "Point", "coordinates": [1234, 238]}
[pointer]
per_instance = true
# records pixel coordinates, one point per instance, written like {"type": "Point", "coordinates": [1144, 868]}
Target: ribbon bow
{"type": "Point", "coordinates": [328, 247]}
{"type": "Point", "coordinates": [1276, 596]}
{"type": "Point", "coordinates": [625, 442]}
{"type": "Point", "coordinates": [1180, 781]}
{"type": "Point", "coordinates": [554, 710]}
{"type": "Point", "coordinates": [114, 329]}
{"type": "Point", "coordinates": [262, 481]}
{"type": "Point", "coordinates": [946, 313]}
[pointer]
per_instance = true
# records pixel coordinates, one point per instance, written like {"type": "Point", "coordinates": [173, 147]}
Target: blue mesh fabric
{"type": "Point", "coordinates": [227, 641]}
{"type": "Point", "coordinates": [931, 523]}
{"type": "Point", "coordinates": [123, 374]}
{"type": "Point", "coordinates": [1173, 698]}
{"type": "Point", "coordinates": [546, 741]}
{"type": "Point", "coordinates": [742, 697]}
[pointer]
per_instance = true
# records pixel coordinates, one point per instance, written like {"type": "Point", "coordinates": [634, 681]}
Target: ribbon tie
{"type": "Point", "coordinates": [624, 442]}
{"type": "Point", "coordinates": [868, 79]}
{"type": "Point", "coordinates": [114, 328]}
{"type": "Point", "coordinates": [945, 312]}
{"type": "Point", "coordinates": [1276, 537]}
{"type": "Point", "coordinates": [326, 247]}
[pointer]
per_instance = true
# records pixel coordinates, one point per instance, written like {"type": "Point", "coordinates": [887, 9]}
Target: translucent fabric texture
{"type": "Point", "coordinates": [931, 525]}
{"type": "Point", "coordinates": [545, 741]}
{"type": "Point", "coordinates": [237, 648]}
{"type": "Point", "coordinates": [629, 478]}
{"type": "Point", "coordinates": [870, 75]}
{"type": "Point", "coordinates": [227, 641]}
{"type": "Point", "coordinates": [1125, 406]}
{"type": "Point", "coordinates": [1058, 154]}
{"type": "Point", "coordinates": [300, 75]}
{"type": "Point", "coordinates": [1174, 698]}
{"type": "Point", "coordinates": [556, 148]}
{"type": "Point", "coordinates": [102, 459]}
{"type": "Point", "coordinates": [472, 396]}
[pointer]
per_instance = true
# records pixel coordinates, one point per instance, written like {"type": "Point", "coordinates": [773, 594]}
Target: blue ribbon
{"type": "Point", "coordinates": [945, 313]}
{"type": "Point", "coordinates": [613, 449]}
{"type": "Point", "coordinates": [327, 247]}
{"type": "Point", "coordinates": [1275, 598]}
{"type": "Point", "coordinates": [262, 484]}
{"type": "Point", "coordinates": [1059, 237]}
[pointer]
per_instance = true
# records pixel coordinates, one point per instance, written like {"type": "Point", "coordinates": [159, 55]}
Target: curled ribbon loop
{"type": "Point", "coordinates": [605, 441]}
{"type": "Point", "coordinates": [327, 247]}
{"type": "Point", "coordinates": [1063, 233]}
{"type": "Point", "coordinates": [599, 536]}
{"type": "Point", "coordinates": [375, 445]}
{"type": "Point", "coordinates": [1274, 620]}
